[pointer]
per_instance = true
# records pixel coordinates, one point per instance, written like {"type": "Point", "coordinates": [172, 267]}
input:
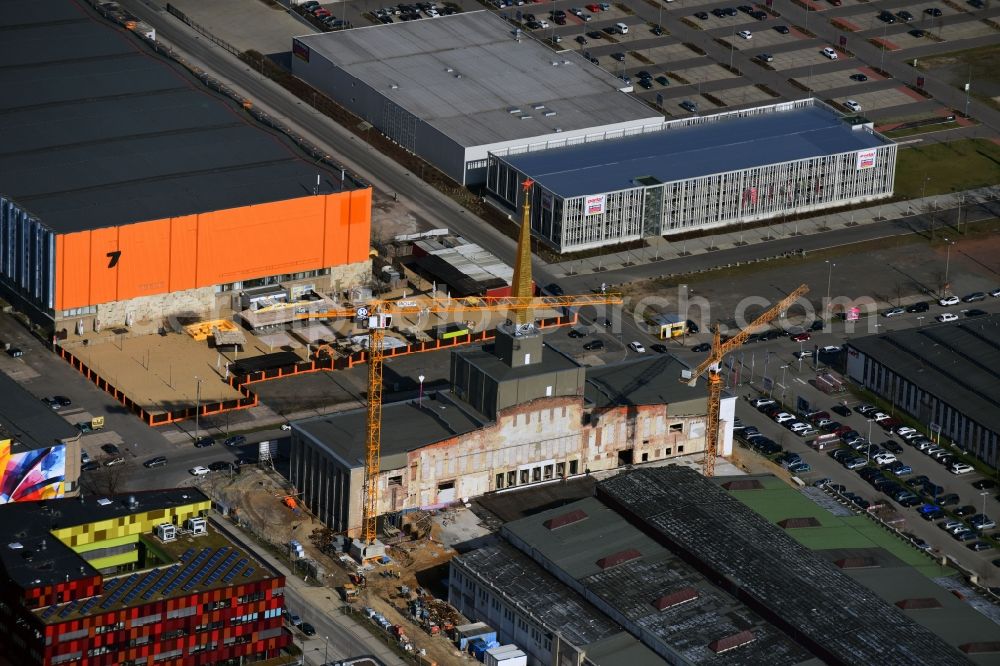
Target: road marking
{"type": "Point", "coordinates": [800, 381]}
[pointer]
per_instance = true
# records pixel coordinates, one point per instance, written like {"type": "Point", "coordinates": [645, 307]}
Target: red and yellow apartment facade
{"type": "Point", "coordinates": [66, 622]}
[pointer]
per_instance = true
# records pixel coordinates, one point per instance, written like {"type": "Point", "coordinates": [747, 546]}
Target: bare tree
{"type": "Point", "coordinates": [107, 480]}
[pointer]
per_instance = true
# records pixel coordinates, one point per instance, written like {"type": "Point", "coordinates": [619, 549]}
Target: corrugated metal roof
{"type": "Point", "coordinates": [838, 619]}
{"type": "Point", "coordinates": [661, 599]}
{"type": "Point", "coordinates": [689, 151]}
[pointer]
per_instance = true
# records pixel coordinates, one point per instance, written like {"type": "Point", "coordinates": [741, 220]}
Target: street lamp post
{"type": "Point", "coordinates": [197, 409]}
{"type": "Point", "coordinates": [420, 393]}
{"type": "Point", "coordinates": [326, 651]}
{"type": "Point", "coordinates": [784, 368]}
{"type": "Point", "coordinates": [684, 331]}
{"type": "Point", "coordinates": [984, 495]}
{"type": "Point", "coordinates": [870, 422]}
{"type": "Point", "coordinates": [829, 282]}
{"type": "Point", "coordinates": [947, 263]}
{"type": "Point", "coordinates": [767, 359]}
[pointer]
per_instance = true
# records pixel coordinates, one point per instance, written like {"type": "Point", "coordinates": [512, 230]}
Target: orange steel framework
{"type": "Point", "coordinates": [714, 362]}
{"type": "Point", "coordinates": [378, 317]}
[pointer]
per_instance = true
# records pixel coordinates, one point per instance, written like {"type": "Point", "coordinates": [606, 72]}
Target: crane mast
{"type": "Point", "coordinates": [377, 317]}
{"type": "Point", "coordinates": [713, 365]}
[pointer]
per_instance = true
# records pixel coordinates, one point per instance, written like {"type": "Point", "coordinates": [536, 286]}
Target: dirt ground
{"type": "Point", "coordinates": [256, 494]}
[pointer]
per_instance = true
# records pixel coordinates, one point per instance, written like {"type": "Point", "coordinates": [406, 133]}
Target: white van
{"type": "Point", "coordinates": [622, 28]}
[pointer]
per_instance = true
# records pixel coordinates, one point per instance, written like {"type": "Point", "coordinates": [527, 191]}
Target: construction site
{"type": "Point", "coordinates": [405, 588]}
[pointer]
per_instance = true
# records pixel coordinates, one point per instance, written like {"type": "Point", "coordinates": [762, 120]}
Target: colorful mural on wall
{"type": "Point", "coordinates": [32, 475]}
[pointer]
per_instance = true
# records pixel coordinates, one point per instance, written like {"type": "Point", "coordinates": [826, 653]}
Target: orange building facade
{"type": "Point", "coordinates": [295, 236]}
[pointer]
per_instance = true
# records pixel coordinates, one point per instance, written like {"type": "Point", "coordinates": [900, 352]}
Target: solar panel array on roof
{"type": "Point", "coordinates": [232, 574]}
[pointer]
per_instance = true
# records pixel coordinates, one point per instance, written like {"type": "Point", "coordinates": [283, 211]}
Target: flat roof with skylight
{"type": "Point", "coordinates": [469, 76]}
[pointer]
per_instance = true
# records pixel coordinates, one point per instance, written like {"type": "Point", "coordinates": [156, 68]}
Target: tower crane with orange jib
{"type": "Point", "coordinates": [713, 364]}
{"type": "Point", "coordinates": [377, 317]}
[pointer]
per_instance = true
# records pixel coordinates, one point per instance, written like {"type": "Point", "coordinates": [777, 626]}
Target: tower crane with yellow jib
{"type": "Point", "coordinates": [377, 317]}
{"type": "Point", "coordinates": [713, 364]}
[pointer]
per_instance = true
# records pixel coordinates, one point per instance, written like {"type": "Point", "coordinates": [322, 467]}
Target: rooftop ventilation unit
{"type": "Point", "coordinates": [525, 117]}
{"type": "Point", "coordinates": [549, 114]}
{"type": "Point", "coordinates": [166, 532]}
{"type": "Point", "coordinates": [197, 525]}
{"type": "Point", "coordinates": [537, 106]}
{"type": "Point", "coordinates": [394, 86]}
{"type": "Point", "coordinates": [449, 70]}
{"type": "Point", "coordinates": [104, 501]}
{"type": "Point", "coordinates": [512, 110]}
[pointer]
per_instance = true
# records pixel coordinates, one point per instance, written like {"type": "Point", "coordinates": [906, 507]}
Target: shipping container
{"type": "Point", "coordinates": [469, 632]}
{"type": "Point", "coordinates": [505, 655]}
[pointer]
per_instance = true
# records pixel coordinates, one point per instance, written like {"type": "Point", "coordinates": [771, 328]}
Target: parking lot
{"type": "Point", "coordinates": [928, 495]}
{"type": "Point", "coordinates": [686, 42]}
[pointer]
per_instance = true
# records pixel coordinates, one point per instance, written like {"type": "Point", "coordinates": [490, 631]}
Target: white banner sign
{"type": "Point", "coordinates": [594, 204]}
{"type": "Point", "coordinates": [866, 159]}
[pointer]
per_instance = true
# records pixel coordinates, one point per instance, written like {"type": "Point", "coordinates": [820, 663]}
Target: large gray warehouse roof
{"type": "Point", "coordinates": [959, 363]}
{"type": "Point", "coordinates": [98, 131]}
{"type": "Point", "coordinates": [575, 540]}
{"type": "Point", "coordinates": [464, 73]}
{"type": "Point", "coordinates": [690, 151]}
{"type": "Point", "coordinates": [833, 616]}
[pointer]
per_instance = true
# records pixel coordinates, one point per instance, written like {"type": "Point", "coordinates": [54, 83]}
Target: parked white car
{"type": "Point", "coordinates": [949, 300]}
{"type": "Point", "coordinates": [961, 468]}
{"type": "Point", "coordinates": [884, 459]}
{"type": "Point", "coordinates": [829, 53]}
{"type": "Point", "coordinates": [855, 107]}
{"type": "Point", "coordinates": [637, 347]}
{"type": "Point", "coordinates": [198, 471]}
{"type": "Point", "coordinates": [946, 316]}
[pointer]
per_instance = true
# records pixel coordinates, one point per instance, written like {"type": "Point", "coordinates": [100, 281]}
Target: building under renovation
{"type": "Point", "coordinates": [518, 413]}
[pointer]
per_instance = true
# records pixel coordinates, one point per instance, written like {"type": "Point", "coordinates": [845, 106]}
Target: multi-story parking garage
{"type": "Point", "coordinates": [130, 191]}
{"type": "Point", "coordinates": [697, 173]}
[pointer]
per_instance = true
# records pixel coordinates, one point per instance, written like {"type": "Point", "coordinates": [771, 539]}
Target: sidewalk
{"type": "Point", "coordinates": [354, 640]}
{"type": "Point", "coordinates": [663, 250]}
